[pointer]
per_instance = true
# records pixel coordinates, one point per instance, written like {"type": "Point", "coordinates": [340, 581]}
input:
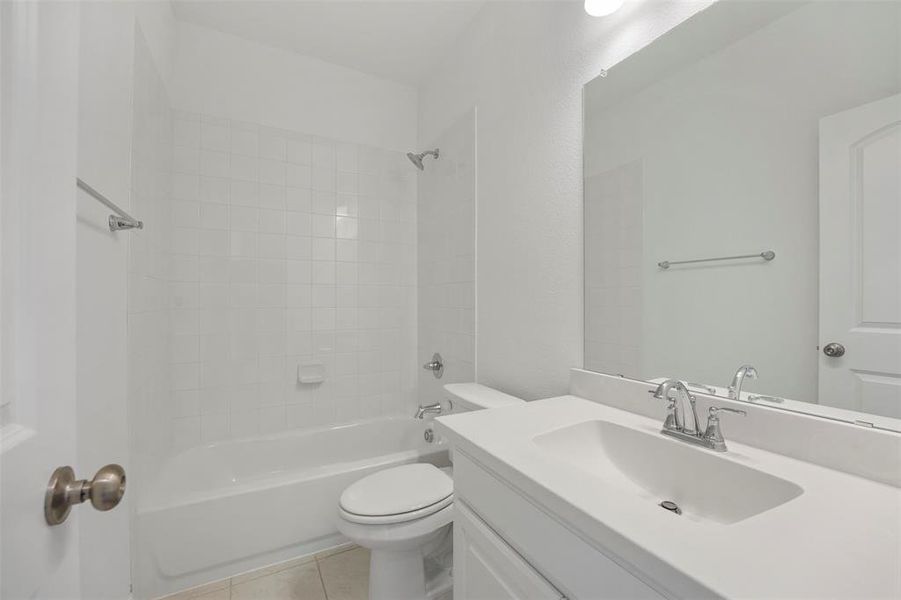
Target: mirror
{"type": "Point", "coordinates": [743, 206]}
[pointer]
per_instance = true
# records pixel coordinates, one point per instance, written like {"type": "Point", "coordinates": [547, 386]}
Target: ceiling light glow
{"type": "Point", "coordinates": [602, 8]}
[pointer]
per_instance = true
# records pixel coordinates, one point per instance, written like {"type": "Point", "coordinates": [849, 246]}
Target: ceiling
{"type": "Point", "coordinates": [390, 39]}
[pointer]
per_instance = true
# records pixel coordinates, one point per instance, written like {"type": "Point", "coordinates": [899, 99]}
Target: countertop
{"type": "Point", "coordinates": [841, 538]}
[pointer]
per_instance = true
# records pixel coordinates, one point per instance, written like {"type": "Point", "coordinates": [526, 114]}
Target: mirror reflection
{"type": "Point", "coordinates": [743, 208]}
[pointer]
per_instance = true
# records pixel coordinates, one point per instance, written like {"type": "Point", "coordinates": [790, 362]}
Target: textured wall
{"type": "Point", "coordinates": [523, 65]}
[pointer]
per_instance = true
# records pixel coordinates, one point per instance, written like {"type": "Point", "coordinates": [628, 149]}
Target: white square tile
{"type": "Point", "coordinates": [214, 163]}
{"type": "Point", "coordinates": [214, 190]}
{"type": "Point", "coordinates": [323, 272]}
{"type": "Point", "coordinates": [298, 271]}
{"type": "Point", "coordinates": [298, 248]}
{"type": "Point", "coordinates": [272, 172]}
{"type": "Point", "coordinates": [213, 216]}
{"type": "Point", "coordinates": [271, 245]}
{"type": "Point", "coordinates": [185, 187]}
{"type": "Point", "coordinates": [244, 193]}
{"type": "Point", "coordinates": [244, 168]}
{"type": "Point", "coordinates": [323, 178]}
{"type": "Point", "coordinates": [298, 200]}
{"type": "Point", "coordinates": [299, 152]}
{"type": "Point", "coordinates": [298, 224]}
{"type": "Point", "coordinates": [186, 133]}
{"type": "Point", "coordinates": [244, 140]}
{"type": "Point", "coordinates": [272, 221]}
{"type": "Point", "coordinates": [324, 155]}
{"type": "Point", "coordinates": [271, 145]}
{"type": "Point", "coordinates": [243, 243]}
{"type": "Point", "coordinates": [272, 196]}
{"type": "Point", "coordinates": [323, 249]}
{"type": "Point", "coordinates": [245, 218]}
{"type": "Point", "coordinates": [186, 160]}
{"type": "Point", "coordinates": [242, 270]}
{"type": "Point", "coordinates": [214, 136]}
{"type": "Point", "coordinates": [213, 427]}
{"type": "Point", "coordinates": [298, 176]}
{"type": "Point", "coordinates": [323, 226]}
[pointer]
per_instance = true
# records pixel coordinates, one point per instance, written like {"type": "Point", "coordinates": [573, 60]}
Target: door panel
{"type": "Point", "coordinates": [38, 53]}
{"type": "Point", "coordinates": [860, 257]}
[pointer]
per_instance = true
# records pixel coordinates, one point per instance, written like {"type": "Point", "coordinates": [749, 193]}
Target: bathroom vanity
{"type": "Point", "coordinates": [563, 498]}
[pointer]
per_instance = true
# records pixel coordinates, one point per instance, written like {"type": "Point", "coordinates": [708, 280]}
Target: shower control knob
{"type": "Point", "coordinates": [834, 350]}
{"type": "Point", "coordinates": [436, 366]}
{"type": "Point", "coordinates": [105, 491]}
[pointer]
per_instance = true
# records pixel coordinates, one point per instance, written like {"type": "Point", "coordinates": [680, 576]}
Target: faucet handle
{"type": "Point", "coordinates": [713, 410]}
{"type": "Point", "coordinates": [714, 433]}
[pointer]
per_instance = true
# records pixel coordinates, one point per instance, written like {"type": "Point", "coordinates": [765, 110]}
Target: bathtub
{"type": "Point", "coordinates": [232, 506]}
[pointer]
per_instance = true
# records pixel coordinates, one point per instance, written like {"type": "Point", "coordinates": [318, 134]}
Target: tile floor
{"type": "Point", "coordinates": [339, 574]}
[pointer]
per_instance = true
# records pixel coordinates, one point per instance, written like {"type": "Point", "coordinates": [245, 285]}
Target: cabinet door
{"type": "Point", "coordinates": [486, 568]}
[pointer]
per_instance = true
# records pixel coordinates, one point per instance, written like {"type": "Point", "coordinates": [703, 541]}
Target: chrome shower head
{"type": "Point", "coordinates": [416, 159]}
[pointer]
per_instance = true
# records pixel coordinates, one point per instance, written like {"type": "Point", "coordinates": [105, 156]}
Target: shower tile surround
{"type": "Point", "coordinates": [446, 232]}
{"type": "Point", "coordinates": [287, 249]}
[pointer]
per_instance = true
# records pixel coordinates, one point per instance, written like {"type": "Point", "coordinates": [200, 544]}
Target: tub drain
{"type": "Point", "coordinates": [671, 506]}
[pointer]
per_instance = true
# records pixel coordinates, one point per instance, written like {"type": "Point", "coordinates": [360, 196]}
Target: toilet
{"type": "Point", "coordinates": [403, 514]}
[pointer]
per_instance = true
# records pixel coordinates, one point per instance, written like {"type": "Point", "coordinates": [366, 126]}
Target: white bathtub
{"type": "Point", "coordinates": [232, 506]}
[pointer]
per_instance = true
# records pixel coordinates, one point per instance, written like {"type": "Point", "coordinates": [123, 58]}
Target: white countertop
{"type": "Point", "coordinates": [841, 538]}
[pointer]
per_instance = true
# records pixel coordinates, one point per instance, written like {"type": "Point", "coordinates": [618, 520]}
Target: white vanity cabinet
{"type": "Point", "coordinates": [487, 568]}
{"type": "Point", "coordinates": [507, 547]}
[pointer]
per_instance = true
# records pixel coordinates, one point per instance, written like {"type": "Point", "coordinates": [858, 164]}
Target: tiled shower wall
{"type": "Point", "coordinates": [150, 414]}
{"type": "Point", "coordinates": [447, 207]}
{"type": "Point", "coordinates": [288, 250]}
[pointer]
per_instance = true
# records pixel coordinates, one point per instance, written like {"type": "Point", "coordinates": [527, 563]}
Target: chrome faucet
{"type": "Point", "coordinates": [744, 371]}
{"type": "Point", "coordinates": [663, 392]}
{"type": "Point", "coordinates": [430, 409]}
{"type": "Point", "coordinates": [675, 426]}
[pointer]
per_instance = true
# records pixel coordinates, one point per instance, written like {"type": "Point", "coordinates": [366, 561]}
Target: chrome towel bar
{"type": "Point", "coordinates": [120, 220]}
{"type": "Point", "coordinates": [765, 255]}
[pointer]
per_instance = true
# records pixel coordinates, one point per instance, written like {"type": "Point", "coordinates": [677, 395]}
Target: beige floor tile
{"type": "Point", "coordinates": [296, 583]}
{"type": "Point", "coordinates": [346, 575]}
{"type": "Point", "coordinates": [223, 594]}
{"type": "Point", "coordinates": [206, 591]}
{"type": "Point", "coordinates": [262, 572]}
{"type": "Point", "coordinates": [336, 550]}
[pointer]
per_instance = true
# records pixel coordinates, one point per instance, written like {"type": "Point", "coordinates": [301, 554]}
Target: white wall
{"type": "Point", "coordinates": [226, 76]}
{"type": "Point", "coordinates": [446, 257]}
{"type": "Point", "coordinates": [523, 65]}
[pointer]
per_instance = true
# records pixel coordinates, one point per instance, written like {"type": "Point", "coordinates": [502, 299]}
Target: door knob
{"type": "Point", "coordinates": [834, 350]}
{"type": "Point", "coordinates": [105, 491]}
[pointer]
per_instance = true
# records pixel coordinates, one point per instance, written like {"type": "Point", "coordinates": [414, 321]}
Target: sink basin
{"type": "Point", "coordinates": [705, 486]}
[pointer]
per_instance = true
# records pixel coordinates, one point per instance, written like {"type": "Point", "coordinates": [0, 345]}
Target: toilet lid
{"type": "Point", "coordinates": [398, 490]}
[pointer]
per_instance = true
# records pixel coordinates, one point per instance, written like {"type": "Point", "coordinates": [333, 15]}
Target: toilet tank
{"type": "Point", "coordinates": [465, 397]}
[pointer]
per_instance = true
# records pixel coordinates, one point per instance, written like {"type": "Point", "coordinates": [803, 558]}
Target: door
{"type": "Point", "coordinates": [38, 102]}
{"type": "Point", "coordinates": [860, 258]}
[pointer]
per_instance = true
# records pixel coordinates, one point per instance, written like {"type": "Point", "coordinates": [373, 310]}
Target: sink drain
{"type": "Point", "coordinates": [671, 506]}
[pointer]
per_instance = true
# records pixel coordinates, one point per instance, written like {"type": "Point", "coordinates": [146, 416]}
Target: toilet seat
{"type": "Point", "coordinates": [397, 495]}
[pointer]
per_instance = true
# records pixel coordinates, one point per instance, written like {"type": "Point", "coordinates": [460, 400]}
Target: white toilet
{"type": "Point", "coordinates": [404, 514]}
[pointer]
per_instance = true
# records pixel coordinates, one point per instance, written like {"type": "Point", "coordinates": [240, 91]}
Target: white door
{"type": "Point", "coordinates": [860, 258]}
{"type": "Point", "coordinates": [38, 99]}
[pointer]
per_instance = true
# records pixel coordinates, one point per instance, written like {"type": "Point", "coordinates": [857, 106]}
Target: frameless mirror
{"type": "Point", "coordinates": [743, 206]}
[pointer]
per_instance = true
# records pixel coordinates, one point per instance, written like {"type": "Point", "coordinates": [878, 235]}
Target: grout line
{"type": "Point", "coordinates": [321, 579]}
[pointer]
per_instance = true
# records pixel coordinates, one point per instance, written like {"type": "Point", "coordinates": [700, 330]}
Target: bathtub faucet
{"type": "Point", "coordinates": [431, 408]}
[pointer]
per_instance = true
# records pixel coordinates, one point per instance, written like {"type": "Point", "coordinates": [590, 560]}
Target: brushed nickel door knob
{"type": "Point", "coordinates": [834, 350]}
{"type": "Point", "coordinates": [105, 491]}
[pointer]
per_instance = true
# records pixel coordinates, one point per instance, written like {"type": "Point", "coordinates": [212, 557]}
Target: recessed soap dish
{"type": "Point", "coordinates": [310, 372]}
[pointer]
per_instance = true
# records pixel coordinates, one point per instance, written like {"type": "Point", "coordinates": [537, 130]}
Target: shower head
{"type": "Point", "coordinates": [416, 159]}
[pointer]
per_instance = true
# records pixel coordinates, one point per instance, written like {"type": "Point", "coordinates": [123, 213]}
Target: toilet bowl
{"type": "Point", "coordinates": [404, 515]}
